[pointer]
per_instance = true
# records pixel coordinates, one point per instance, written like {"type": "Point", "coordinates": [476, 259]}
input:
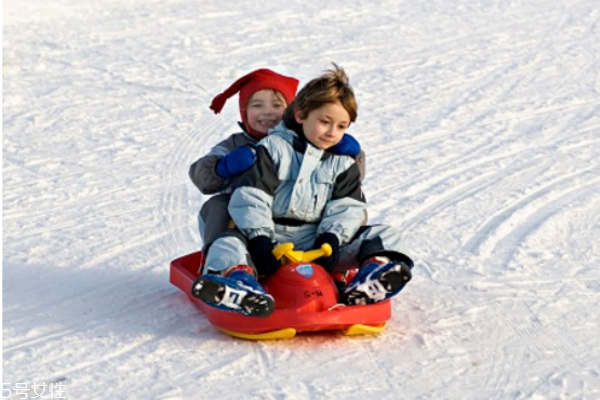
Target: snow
{"type": "Point", "coordinates": [481, 124]}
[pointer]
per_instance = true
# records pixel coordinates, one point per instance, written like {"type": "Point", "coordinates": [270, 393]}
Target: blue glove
{"type": "Point", "coordinates": [348, 146]}
{"type": "Point", "coordinates": [236, 162]}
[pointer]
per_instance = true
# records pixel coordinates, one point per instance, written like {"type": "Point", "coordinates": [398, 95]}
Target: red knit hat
{"type": "Point", "coordinates": [253, 82]}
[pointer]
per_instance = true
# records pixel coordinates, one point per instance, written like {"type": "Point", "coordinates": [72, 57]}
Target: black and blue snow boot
{"type": "Point", "coordinates": [238, 292]}
{"type": "Point", "coordinates": [376, 281]}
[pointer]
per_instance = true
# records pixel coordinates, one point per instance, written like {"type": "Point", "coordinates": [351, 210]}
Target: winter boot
{"type": "Point", "coordinates": [377, 280]}
{"type": "Point", "coordinates": [237, 290]}
{"type": "Point", "coordinates": [342, 279]}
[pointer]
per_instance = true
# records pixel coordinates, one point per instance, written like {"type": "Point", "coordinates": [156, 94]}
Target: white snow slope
{"type": "Point", "coordinates": [480, 120]}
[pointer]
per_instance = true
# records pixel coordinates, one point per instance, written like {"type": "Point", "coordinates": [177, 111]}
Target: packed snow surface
{"type": "Point", "coordinates": [481, 124]}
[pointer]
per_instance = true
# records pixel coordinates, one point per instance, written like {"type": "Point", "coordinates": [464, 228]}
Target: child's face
{"type": "Point", "coordinates": [325, 126]}
{"type": "Point", "coordinates": [264, 110]}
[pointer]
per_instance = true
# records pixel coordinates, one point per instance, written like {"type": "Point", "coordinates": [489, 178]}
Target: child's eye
{"type": "Point", "coordinates": [324, 122]}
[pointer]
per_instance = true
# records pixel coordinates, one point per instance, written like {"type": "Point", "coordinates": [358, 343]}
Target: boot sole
{"type": "Point", "coordinates": [394, 280]}
{"type": "Point", "coordinates": [253, 304]}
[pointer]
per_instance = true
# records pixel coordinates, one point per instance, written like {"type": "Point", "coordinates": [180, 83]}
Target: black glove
{"type": "Point", "coordinates": [261, 251]}
{"type": "Point", "coordinates": [330, 262]}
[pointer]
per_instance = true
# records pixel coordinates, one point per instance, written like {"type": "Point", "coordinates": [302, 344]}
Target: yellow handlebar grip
{"type": "Point", "coordinates": [282, 249]}
{"type": "Point", "coordinates": [286, 253]}
{"type": "Point", "coordinates": [326, 249]}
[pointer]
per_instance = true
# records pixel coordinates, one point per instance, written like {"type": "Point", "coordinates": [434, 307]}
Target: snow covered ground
{"type": "Point", "coordinates": [481, 123]}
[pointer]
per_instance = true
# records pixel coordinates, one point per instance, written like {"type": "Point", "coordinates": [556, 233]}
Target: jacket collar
{"type": "Point", "coordinates": [300, 142]}
{"type": "Point", "coordinates": [245, 131]}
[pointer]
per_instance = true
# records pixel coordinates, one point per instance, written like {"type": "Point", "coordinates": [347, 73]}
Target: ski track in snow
{"type": "Point", "coordinates": [480, 120]}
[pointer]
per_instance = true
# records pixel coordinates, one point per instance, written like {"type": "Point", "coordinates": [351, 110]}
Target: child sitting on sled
{"type": "Point", "coordinates": [263, 97]}
{"type": "Point", "coordinates": [298, 190]}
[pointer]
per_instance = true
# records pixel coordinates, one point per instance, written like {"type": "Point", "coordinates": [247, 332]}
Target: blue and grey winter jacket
{"type": "Point", "coordinates": [203, 172]}
{"type": "Point", "coordinates": [294, 186]}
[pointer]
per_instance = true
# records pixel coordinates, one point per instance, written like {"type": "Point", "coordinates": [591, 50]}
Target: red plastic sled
{"type": "Point", "coordinates": [306, 299]}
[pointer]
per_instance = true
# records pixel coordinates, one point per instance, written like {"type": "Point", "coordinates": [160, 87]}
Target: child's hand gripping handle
{"type": "Point", "coordinates": [286, 253]}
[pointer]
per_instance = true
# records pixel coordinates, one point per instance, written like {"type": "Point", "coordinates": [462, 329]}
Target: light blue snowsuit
{"type": "Point", "coordinates": [295, 192]}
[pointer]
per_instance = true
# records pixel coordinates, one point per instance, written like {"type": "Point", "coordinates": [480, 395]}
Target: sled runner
{"type": "Point", "coordinates": [306, 299]}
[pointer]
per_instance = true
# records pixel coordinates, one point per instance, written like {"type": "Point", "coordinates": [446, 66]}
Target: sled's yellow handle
{"type": "Point", "coordinates": [286, 253]}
